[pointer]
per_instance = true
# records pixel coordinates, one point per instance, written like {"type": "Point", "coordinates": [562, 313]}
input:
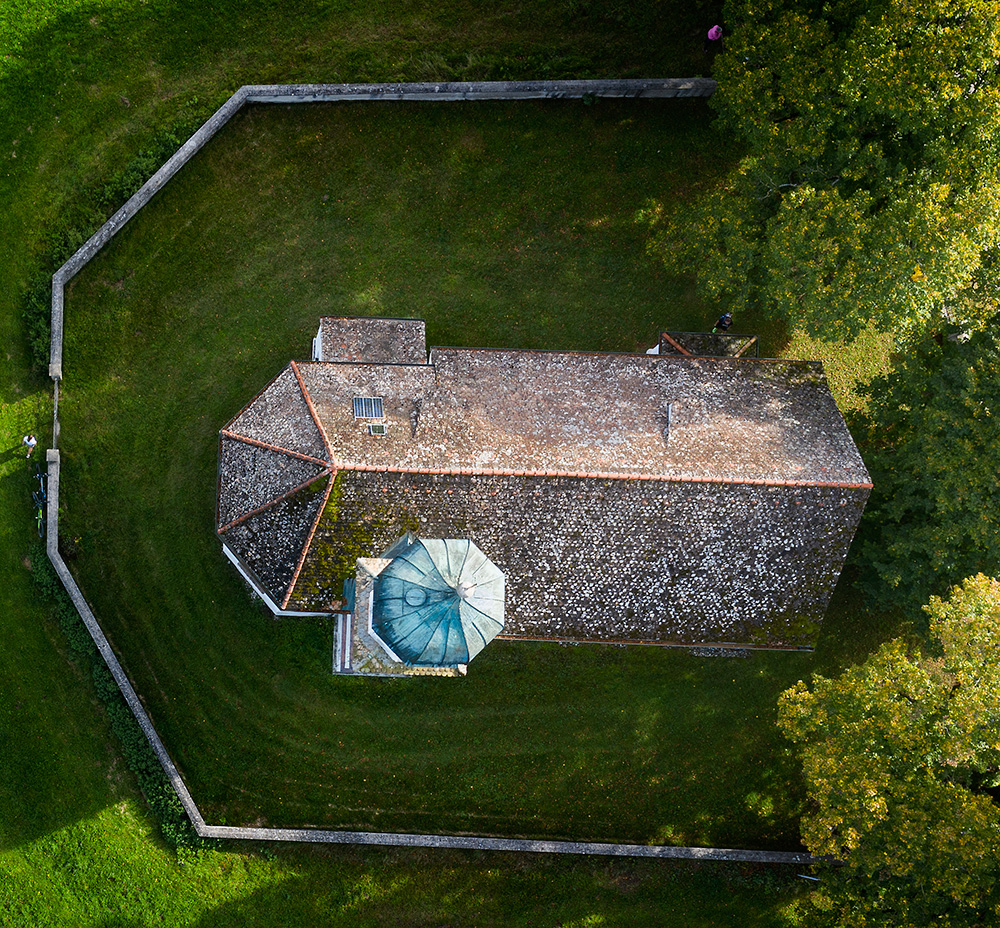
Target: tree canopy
{"type": "Point", "coordinates": [932, 444]}
{"type": "Point", "coordinates": [898, 756]}
{"type": "Point", "coordinates": [870, 189]}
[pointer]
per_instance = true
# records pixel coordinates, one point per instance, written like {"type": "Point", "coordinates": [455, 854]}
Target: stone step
{"type": "Point", "coordinates": [343, 643]}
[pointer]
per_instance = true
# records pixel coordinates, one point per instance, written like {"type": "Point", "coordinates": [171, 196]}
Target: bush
{"type": "Point", "coordinates": [90, 211]}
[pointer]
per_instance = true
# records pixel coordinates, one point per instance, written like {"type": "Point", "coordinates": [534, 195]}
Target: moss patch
{"type": "Point", "coordinates": [337, 545]}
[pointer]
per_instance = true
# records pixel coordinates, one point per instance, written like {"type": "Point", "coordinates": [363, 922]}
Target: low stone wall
{"type": "Point", "coordinates": [344, 93]}
{"type": "Point", "coordinates": [104, 646]}
{"type": "Point", "coordinates": [519, 845]}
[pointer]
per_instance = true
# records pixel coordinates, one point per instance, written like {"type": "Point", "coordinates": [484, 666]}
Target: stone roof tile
{"type": "Point", "coordinates": [280, 416]}
{"type": "Point", "coordinates": [256, 475]}
{"type": "Point", "coordinates": [372, 339]}
{"type": "Point", "coordinates": [271, 542]}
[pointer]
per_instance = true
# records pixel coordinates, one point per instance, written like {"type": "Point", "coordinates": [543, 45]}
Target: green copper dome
{"type": "Point", "coordinates": [439, 602]}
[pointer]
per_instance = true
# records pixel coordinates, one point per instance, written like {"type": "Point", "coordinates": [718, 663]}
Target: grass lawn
{"type": "Point", "coordinates": [85, 87]}
{"type": "Point", "coordinates": [501, 224]}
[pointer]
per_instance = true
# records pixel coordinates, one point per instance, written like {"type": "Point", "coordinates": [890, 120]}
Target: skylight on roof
{"type": "Point", "coordinates": [368, 407]}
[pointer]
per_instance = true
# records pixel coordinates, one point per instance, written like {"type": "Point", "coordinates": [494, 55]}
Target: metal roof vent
{"type": "Point", "coordinates": [368, 407]}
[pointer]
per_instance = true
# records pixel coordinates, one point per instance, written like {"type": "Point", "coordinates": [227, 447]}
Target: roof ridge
{"type": "Point", "coordinates": [280, 449]}
{"type": "Point", "coordinates": [253, 512]}
{"type": "Point", "coordinates": [312, 409]}
{"type": "Point", "coordinates": [600, 475]}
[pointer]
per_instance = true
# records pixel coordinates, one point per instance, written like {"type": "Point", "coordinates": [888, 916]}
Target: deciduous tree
{"type": "Point", "coordinates": [899, 755]}
{"type": "Point", "coordinates": [932, 444]}
{"type": "Point", "coordinates": [870, 189]}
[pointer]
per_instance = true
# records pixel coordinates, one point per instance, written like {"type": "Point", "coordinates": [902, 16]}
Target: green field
{"type": "Point", "coordinates": [189, 313]}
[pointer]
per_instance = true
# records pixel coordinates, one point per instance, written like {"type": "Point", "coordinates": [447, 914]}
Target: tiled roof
{"type": "Point", "coordinates": [547, 413]}
{"type": "Point", "coordinates": [280, 416]}
{"type": "Point", "coordinates": [272, 541]}
{"type": "Point", "coordinates": [567, 412]}
{"type": "Point", "coordinates": [367, 339]}
{"type": "Point", "coordinates": [708, 345]}
{"type": "Point", "coordinates": [257, 475]}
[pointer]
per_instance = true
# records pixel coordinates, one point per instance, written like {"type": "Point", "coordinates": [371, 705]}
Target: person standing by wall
{"type": "Point", "coordinates": [713, 41]}
{"type": "Point", "coordinates": [722, 326]}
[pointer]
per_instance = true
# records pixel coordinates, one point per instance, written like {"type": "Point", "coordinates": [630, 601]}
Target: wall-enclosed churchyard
{"type": "Point", "coordinates": [313, 482]}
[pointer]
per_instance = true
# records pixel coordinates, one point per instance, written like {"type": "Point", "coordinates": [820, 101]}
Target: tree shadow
{"type": "Point", "coordinates": [853, 628]}
{"type": "Point", "coordinates": [409, 887]}
{"type": "Point", "coordinates": [12, 452]}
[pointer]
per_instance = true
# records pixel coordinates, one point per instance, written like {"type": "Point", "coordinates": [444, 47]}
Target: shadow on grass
{"type": "Point", "coordinates": [853, 629]}
{"type": "Point", "coordinates": [53, 748]}
{"type": "Point", "coordinates": [357, 887]}
{"type": "Point", "coordinates": [121, 73]}
{"type": "Point", "coordinates": [143, 583]}
{"type": "Point", "coordinates": [14, 451]}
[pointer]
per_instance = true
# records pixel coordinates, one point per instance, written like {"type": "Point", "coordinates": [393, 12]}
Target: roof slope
{"type": "Point", "coordinates": [611, 414]}
{"type": "Point", "coordinates": [274, 466]}
{"type": "Point", "coordinates": [280, 416]}
{"type": "Point", "coordinates": [486, 411]}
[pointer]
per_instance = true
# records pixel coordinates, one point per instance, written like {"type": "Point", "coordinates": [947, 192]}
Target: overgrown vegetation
{"type": "Point", "coordinates": [931, 434]}
{"type": "Point", "coordinates": [901, 761]}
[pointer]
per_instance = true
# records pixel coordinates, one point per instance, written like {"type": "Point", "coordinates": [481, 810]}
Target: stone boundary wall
{"type": "Point", "coordinates": [312, 93]}
{"type": "Point", "coordinates": [104, 646]}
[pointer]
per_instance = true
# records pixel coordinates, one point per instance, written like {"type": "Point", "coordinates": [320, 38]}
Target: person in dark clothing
{"type": "Point", "coordinates": [722, 326]}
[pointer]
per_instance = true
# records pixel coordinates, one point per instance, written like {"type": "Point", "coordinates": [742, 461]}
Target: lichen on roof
{"type": "Point", "coordinates": [569, 412]}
